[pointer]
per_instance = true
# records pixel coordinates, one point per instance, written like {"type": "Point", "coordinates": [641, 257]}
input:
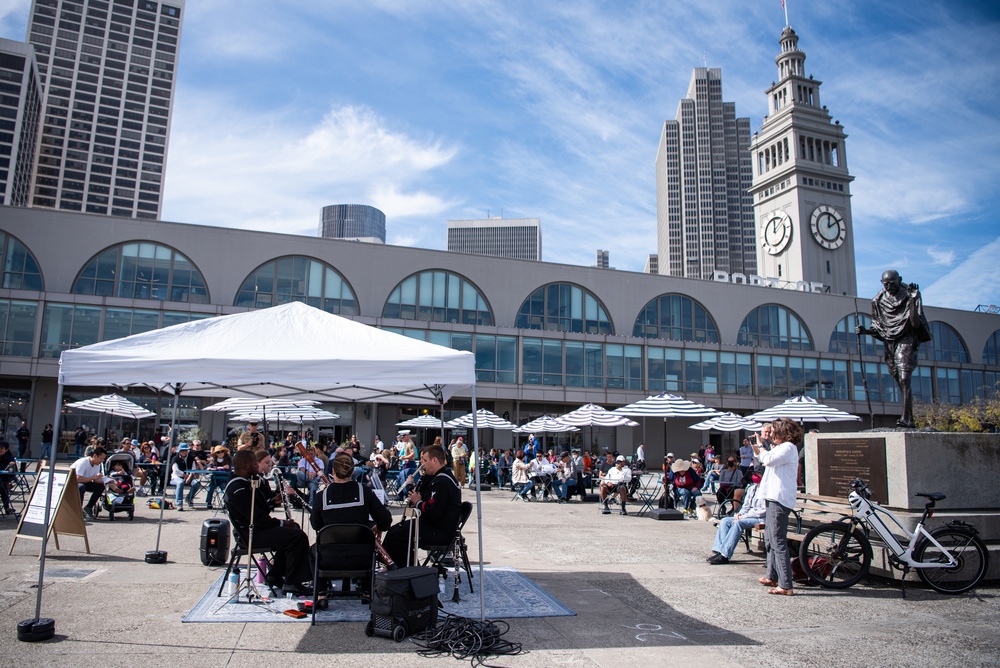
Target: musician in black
{"type": "Point", "coordinates": [290, 544]}
{"type": "Point", "coordinates": [439, 500]}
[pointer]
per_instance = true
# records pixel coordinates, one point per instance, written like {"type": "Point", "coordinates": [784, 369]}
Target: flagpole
{"type": "Point", "coordinates": [784, 6]}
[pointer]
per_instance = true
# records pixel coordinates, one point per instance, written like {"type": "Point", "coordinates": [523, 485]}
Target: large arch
{"type": "Point", "coordinates": [844, 340]}
{"type": "Point", "coordinates": [142, 270]}
{"type": "Point", "coordinates": [675, 317]}
{"type": "Point", "coordinates": [564, 307]}
{"type": "Point", "coordinates": [20, 268]}
{"type": "Point", "coordinates": [298, 278]}
{"type": "Point", "coordinates": [774, 326]}
{"type": "Point", "coordinates": [991, 351]}
{"type": "Point", "coordinates": [947, 345]}
{"type": "Point", "coordinates": [438, 295]}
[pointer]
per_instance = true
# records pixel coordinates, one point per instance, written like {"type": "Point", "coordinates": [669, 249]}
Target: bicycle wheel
{"type": "Point", "coordinates": [835, 555]}
{"type": "Point", "coordinates": [968, 551]}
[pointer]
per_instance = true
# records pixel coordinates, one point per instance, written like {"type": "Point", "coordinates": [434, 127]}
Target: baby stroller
{"type": "Point", "coordinates": [121, 500]}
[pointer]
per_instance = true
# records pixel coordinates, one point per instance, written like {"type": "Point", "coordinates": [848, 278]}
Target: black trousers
{"type": "Point", "coordinates": [291, 552]}
{"type": "Point", "coordinates": [96, 489]}
{"type": "Point", "coordinates": [5, 480]}
{"type": "Point", "coordinates": [397, 539]}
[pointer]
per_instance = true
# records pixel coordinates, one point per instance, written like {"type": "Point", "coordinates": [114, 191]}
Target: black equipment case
{"type": "Point", "coordinates": [215, 542]}
{"type": "Point", "coordinates": [404, 601]}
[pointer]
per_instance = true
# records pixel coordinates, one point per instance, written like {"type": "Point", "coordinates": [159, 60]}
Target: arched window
{"type": "Point", "coordinates": [675, 317]}
{"type": "Point", "coordinates": [991, 351]}
{"type": "Point", "coordinates": [947, 345]}
{"type": "Point", "coordinates": [844, 340]}
{"type": "Point", "coordinates": [563, 307]}
{"type": "Point", "coordinates": [298, 279]}
{"type": "Point", "coordinates": [773, 326]}
{"type": "Point", "coordinates": [142, 270]}
{"type": "Point", "coordinates": [438, 296]}
{"type": "Point", "coordinates": [20, 269]}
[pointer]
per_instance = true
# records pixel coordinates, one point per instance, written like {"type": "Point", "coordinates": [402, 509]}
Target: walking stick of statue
{"type": "Point", "coordinates": [861, 364]}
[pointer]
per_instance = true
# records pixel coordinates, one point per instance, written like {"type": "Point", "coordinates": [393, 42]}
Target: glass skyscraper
{"type": "Point", "coordinates": [20, 109]}
{"type": "Point", "coordinates": [354, 222]}
{"type": "Point", "coordinates": [109, 70]}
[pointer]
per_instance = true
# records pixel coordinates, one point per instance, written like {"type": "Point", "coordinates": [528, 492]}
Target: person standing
{"type": "Point", "coordinates": [459, 457]}
{"type": "Point", "coordinates": [778, 489]}
{"type": "Point", "coordinates": [23, 447]}
{"type": "Point", "coordinates": [47, 436]}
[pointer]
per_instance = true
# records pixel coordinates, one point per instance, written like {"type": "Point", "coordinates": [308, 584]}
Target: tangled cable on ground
{"type": "Point", "coordinates": [465, 638]}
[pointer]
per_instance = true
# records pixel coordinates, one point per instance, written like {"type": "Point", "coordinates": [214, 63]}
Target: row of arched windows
{"type": "Point", "coordinates": [146, 270]}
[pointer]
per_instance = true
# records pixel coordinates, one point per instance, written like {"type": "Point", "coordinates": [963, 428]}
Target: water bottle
{"type": "Point", "coordinates": [233, 584]}
{"type": "Point", "coordinates": [441, 583]}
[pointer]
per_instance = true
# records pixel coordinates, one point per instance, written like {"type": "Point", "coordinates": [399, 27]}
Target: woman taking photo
{"type": "Point", "coordinates": [778, 489]}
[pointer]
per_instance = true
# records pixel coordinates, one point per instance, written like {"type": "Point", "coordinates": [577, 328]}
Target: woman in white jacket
{"type": "Point", "coordinates": [778, 489]}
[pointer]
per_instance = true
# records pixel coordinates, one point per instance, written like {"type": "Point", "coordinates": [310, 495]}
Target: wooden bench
{"type": "Point", "coordinates": [810, 510]}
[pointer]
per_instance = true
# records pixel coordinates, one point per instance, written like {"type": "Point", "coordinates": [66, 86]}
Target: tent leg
{"type": "Point", "coordinates": [479, 508]}
{"type": "Point", "coordinates": [166, 467]}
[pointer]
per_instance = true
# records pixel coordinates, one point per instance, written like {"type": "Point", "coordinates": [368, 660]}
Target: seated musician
{"type": "Point", "coordinates": [439, 500]}
{"type": "Point", "coordinates": [290, 544]}
{"type": "Point", "coordinates": [347, 501]}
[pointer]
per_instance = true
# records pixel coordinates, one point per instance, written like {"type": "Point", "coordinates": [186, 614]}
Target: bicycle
{"type": "Point", "coordinates": [950, 558]}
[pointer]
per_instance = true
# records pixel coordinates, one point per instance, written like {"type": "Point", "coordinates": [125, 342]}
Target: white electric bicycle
{"type": "Point", "coordinates": [950, 558]}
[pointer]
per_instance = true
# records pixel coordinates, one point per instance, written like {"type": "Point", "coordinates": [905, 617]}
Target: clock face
{"type": "Point", "coordinates": [777, 233]}
{"type": "Point", "coordinates": [828, 227]}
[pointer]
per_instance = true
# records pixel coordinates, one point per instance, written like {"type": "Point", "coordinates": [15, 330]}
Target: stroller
{"type": "Point", "coordinates": [121, 500]}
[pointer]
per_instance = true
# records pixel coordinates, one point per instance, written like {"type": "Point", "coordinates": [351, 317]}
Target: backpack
{"type": "Point", "coordinates": [819, 565]}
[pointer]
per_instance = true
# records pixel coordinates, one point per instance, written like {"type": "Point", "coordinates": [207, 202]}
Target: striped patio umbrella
{"type": "Point", "coordinates": [728, 422]}
{"type": "Point", "coordinates": [803, 409]}
{"type": "Point", "coordinates": [592, 415]}
{"type": "Point", "coordinates": [259, 404]}
{"type": "Point", "coordinates": [484, 420]}
{"type": "Point", "coordinates": [426, 421]}
{"type": "Point", "coordinates": [113, 404]}
{"type": "Point", "coordinates": [544, 424]}
{"type": "Point", "coordinates": [666, 405]}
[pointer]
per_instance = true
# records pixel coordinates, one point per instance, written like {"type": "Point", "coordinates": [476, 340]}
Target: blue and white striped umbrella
{"type": "Point", "coordinates": [113, 404]}
{"type": "Point", "coordinates": [803, 409]}
{"type": "Point", "coordinates": [484, 420]}
{"type": "Point", "coordinates": [666, 405]}
{"type": "Point", "coordinates": [728, 422]}
{"type": "Point", "coordinates": [592, 415]}
{"type": "Point", "coordinates": [426, 421]}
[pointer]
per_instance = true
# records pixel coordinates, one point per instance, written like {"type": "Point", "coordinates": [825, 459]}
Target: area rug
{"type": "Point", "coordinates": [508, 594]}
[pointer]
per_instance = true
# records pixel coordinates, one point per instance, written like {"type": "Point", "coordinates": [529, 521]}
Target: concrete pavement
{"type": "Point", "coordinates": [642, 591]}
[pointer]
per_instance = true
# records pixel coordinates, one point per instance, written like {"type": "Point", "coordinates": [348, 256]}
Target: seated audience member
{"type": "Point", "coordinates": [90, 478]}
{"type": "Point", "coordinates": [183, 471]}
{"type": "Point", "coordinates": [687, 485]}
{"type": "Point", "coordinates": [521, 477]}
{"type": "Point", "coordinates": [731, 527]}
{"type": "Point", "coordinates": [712, 475]}
{"type": "Point", "coordinates": [290, 569]}
{"type": "Point", "coordinates": [615, 481]}
{"type": "Point", "coordinates": [565, 477]}
{"type": "Point", "coordinates": [310, 473]}
{"type": "Point", "coordinates": [731, 484]}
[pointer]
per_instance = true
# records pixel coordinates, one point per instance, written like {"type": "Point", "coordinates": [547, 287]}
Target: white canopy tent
{"type": "Point", "coordinates": [292, 351]}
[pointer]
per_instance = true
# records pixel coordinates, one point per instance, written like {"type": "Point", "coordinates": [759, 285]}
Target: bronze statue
{"type": "Point", "coordinates": [898, 321]}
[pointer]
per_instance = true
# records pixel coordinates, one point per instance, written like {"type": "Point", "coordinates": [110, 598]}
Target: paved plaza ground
{"type": "Point", "coordinates": [642, 591]}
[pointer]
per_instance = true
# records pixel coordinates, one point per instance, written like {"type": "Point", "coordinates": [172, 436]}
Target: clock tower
{"type": "Point", "coordinates": [801, 187]}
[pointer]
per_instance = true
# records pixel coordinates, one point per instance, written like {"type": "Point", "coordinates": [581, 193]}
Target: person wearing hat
{"type": "Point", "coordinates": [687, 485]}
{"type": "Point", "coordinates": [251, 439]}
{"type": "Point", "coordinates": [220, 463]}
{"type": "Point", "coordinates": [615, 481]}
{"type": "Point", "coordinates": [184, 469]}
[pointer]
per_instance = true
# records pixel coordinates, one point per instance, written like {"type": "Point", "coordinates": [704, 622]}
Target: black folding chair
{"type": "Point", "coordinates": [239, 551]}
{"type": "Point", "coordinates": [343, 551]}
{"type": "Point", "coordinates": [457, 549]}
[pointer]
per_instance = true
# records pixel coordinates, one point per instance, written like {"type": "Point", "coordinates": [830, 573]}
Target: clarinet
{"type": "Point", "coordinates": [286, 506]}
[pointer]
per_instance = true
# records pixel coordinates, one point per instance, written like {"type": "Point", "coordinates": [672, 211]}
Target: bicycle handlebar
{"type": "Point", "coordinates": [859, 486]}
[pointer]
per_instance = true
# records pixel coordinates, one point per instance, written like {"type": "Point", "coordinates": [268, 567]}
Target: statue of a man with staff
{"type": "Point", "coordinates": [898, 321]}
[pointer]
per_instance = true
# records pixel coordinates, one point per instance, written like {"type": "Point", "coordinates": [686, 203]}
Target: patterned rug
{"type": "Point", "coordinates": [508, 595]}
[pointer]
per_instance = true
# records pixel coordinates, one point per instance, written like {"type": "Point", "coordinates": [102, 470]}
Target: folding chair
{"type": "Point", "coordinates": [352, 548]}
{"type": "Point", "coordinates": [650, 491]}
{"type": "Point", "coordinates": [458, 549]}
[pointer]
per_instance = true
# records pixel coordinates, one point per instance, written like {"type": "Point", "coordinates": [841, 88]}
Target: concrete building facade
{"type": "Point", "coordinates": [547, 337]}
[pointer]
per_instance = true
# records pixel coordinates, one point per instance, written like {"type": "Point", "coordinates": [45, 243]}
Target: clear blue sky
{"type": "Point", "coordinates": [435, 109]}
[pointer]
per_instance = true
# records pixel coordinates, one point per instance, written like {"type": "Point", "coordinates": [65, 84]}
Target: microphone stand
{"type": "Point", "coordinates": [247, 584]}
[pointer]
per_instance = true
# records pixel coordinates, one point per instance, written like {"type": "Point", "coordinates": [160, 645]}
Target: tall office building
{"type": "Point", "coordinates": [704, 214]}
{"type": "Point", "coordinates": [20, 110]}
{"type": "Point", "coordinates": [801, 186]}
{"type": "Point", "coordinates": [353, 222]}
{"type": "Point", "coordinates": [513, 238]}
{"type": "Point", "coordinates": [603, 259]}
{"type": "Point", "coordinates": [652, 264]}
{"type": "Point", "coordinates": [109, 69]}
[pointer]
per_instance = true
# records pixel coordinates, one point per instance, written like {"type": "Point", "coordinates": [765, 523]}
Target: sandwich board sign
{"type": "Point", "coordinates": [65, 510]}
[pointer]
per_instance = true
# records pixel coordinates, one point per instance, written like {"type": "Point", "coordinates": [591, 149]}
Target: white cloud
{"type": "Point", "coordinates": [973, 282]}
{"type": "Point", "coordinates": [273, 171]}
{"type": "Point", "coordinates": [395, 204]}
{"type": "Point", "coordinates": [945, 257]}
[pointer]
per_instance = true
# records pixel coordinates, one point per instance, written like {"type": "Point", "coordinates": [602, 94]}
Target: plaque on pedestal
{"type": "Point", "coordinates": [841, 460]}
